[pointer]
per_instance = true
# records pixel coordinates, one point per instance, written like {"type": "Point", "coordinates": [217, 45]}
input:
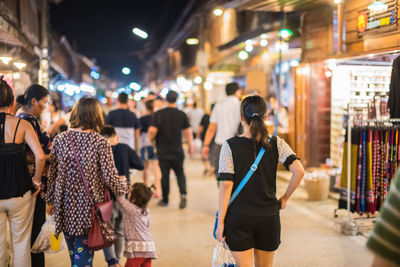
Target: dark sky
{"type": "Point", "coordinates": [102, 29]}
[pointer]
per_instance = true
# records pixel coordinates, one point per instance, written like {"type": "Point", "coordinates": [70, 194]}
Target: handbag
{"type": "Point", "coordinates": [101, 234]}
{"type": "Point", "coordinates": [252, 169]}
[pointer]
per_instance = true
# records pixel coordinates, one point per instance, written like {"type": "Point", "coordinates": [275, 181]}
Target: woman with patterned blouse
{"type": "Point", "coordinates": [251, 225]}
{"type": "Point", "coordinates": [66, 196]}
{"type": "Point", "coordinates": [34, 102]}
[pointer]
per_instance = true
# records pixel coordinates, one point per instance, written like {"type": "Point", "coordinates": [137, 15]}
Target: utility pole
{"type": "Point", "coordinates": [43, 77]}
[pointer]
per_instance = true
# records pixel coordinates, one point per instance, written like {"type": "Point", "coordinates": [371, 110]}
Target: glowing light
{"type": "Point", "coordinates": [264, 36]}
{"type": "Point", "coordinates": [142, 34]}
{"type": "Point", "coordinates": [249, 47]}
{"type": "Point", "coordinates": [294, 63]}
{"type": "Point", "coordinates": [218, 12]}
{"type": "Point", "coordinates": [208, 86]}
{"type": "Point", "coordinates": [135, 86]}
{"type": "Point", "coordinates": [17, 75]}
{"type": "Point", "coordinates": [60, 87]}
{"type": "Point", "coordinates": [198, 80]}
{"type": "Point", "coordinates": [243, 55]}
{"type": "Point", "coordinates": [114, 95]}
{"type": "Point", "coordinates": [126, 70]}
{"type": "Point", "coordinates": [192, 41]}
{"type": "Point", "coordinates": [338, 1]}
{"type": "Point", "coordinates": [6, 60]}
{"type": "Point", "coordinates": [264, 43]}
{"type": "Point", "coordinates": [137, 97]}
{"type": "Point", "coordinates": [265, 55]}
{"type": "Point", "coordinates": [88, 89]}
{"type": "Point", "coordinates": [285, 33]}
{"type": "Point", "coordinates": [19, 65]}
{"type": "Point", "coordinates": [95, 75]}
{"type": "Point", "coordinates": [328, 74]}
{"type": "Point", "coordinates": [164, 92]}
{"type": "Point", "coordinates": [331, 63]}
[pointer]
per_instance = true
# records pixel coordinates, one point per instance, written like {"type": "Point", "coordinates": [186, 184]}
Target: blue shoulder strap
{"type": "Point", "coordinates": [253, 168]}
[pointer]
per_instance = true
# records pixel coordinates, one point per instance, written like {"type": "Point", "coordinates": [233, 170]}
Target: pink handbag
{"type": "Point", "coordinates": [101, 234]}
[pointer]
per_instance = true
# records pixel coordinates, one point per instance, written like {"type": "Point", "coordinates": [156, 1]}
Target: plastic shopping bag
{"type": "Point", "coordinates": [46, 240]}
{"type": "Point", "coordinates": [223, 256]}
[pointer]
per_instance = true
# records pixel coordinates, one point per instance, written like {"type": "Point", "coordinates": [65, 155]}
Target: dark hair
{"type": "Point", "coordinates": [6, 94]}
{"type": "Point", "coordinates": [231, 88]}
{"type": "Point", "coordinates": [34, 91]}
{"type": "Point", "coordinates": [253, 110]}
{"type": "Point", "coordinates": [152, 93]}
{"type": "Point", "coordinates": [172, 96]}
{"type": "Point", "coordinates": [87, 114]}
{"type": "Point", "coordinates": [108, 131]}
{"type": "Point", "coordinates": [56, 104]}
{"type": "Point", "coordinates": [195, 104]}
{"type": "Point", "coordinates": [149, 105]}
{"type": "Point", "coordinates": [123, 98]}
{"type": "Point", "coordinates": [141, 195]}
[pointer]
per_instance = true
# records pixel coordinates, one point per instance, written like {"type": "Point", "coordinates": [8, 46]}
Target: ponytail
{"type": "Point", "coordinates": [21, 100]}
{"type": "Point", "coordinates": [254, 109]}
{"type": "Point", "coordinates": [33, 91]}
{"type": "Point", "coordinates": [258, 130]}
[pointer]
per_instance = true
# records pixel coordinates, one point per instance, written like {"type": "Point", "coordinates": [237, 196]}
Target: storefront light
{"type": "Point", "coordinates": [16, 76]}
{"type": "Point", "coordinates": [294, 63]}
{"type": "Point", "coordinates": [135, 86]}
{"type": "Point", "coordinates": [249, 48]}
{"type": "Point", "coordinates": [331, 64]}
{"type": "Point", "coordinates": [328, 74]}
{"type": "Point", "coordinates": [6, 60]}
{"type": "Point", "coordinates": [243, 55]}
{"type": "Point", "coordinates": [208, 86]}
{"type": "Point", "coordinates": [285, 33]}
{"type": "Point", "coordinates": [198, 80]}
{"type": "Point", "coordinates": [19, 65]}
{"type": "Point", "coordinates": [218, 12]}
{"type": "Point", "coordinates": [338, 2]}
{"type": "Point", "coordinates": [264, 36]}
{"type": "Point", "coordinates": [264, 42]}
{"type": "Point", "coordinates": [192, 41]}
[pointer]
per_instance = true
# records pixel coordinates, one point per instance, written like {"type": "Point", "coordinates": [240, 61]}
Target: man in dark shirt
{"type": "Point", "coordinates": [125, 122]}
{"type": "Point", "coordinates": [166, 127]}
{"type": "Point", "coordinates": [124, 159]}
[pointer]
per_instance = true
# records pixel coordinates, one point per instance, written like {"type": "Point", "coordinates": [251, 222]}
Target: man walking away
{"type": "Point", "coordinates": [125, 122]}
{"type": "Point", "coordinates": [166, 128]}
{"type": "Point", "coordinates": [224, 124]}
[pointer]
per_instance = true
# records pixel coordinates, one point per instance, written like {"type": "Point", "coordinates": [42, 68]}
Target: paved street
{"type": "Point", "coordinates": [310, 235]}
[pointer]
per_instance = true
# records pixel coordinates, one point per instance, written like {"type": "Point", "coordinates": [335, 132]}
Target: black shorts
{"type": "Point", "coordinates": [244, 232]}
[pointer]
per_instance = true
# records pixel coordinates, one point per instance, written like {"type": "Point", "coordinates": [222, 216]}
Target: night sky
{"type": "Point", "coordinates": [103, 29]}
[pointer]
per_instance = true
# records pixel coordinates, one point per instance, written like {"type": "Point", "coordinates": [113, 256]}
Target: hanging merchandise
{"type": "Point", "coordinates": [374, 158]}
{"type": "Point", "coordinates": [394, 93]}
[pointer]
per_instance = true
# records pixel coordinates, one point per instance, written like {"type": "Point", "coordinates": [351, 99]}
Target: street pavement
{"type": "Point", "coordinates": [310, 234]}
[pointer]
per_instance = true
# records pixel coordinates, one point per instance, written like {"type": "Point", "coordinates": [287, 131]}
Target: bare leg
{"type": "Point", "coordinates": [263, 258]}
{"type": "Point", "coordinates": [244, 258]}
{"type": "Point", "coordinates": [146, 173]}
{"type": "Point", "coordinates": [157, 176]}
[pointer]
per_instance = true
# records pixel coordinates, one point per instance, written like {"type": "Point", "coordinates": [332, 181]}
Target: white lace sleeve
{"type": "Point", "coordinates": [226, 159]}
{"type": "Point", "coordinates": [284, 150]}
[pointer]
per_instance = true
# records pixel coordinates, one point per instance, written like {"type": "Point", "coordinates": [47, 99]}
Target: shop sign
{"type": "Point", "coordinates": [378, 22]}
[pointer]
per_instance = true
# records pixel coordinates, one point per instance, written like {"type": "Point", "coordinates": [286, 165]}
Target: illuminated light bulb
{"type": "Point", "coordinates": [135, 86]}
{"type": "Point", "coordinates": [19, 65]}
{"type": "Point", "coordinates": [126, 70]}
{"type": "Point", "coordinates": [294, 63]}
{"type": "Point", "coordinates": [208, 86]}
{"type": "Point", "coordinates": [285, 33]}
{"type": "Point", "coordinates": [264, 43]}
{"type": "Point", "coordinates": [192, 41]}
{"type": "Point", "coordinates": [249, 48]}
{"type": "Point", "coordinates": [198, 80]}
{"type": "Point", "coordinates": [264, 36]}
{"type": "Point", "coordinates": [142, 34]}
{"type": "Point", "coordinates": [328, 74]}
{"type": "Point", "coordinates": [6, 60]}
{"type": "Point", "coordinates": [218, 12]}
{"type": "Point", "coordinates": [243, 55]}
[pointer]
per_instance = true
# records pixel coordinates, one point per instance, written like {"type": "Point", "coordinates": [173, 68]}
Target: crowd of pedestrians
{"type": "Point", "coordinates": [63, 163]}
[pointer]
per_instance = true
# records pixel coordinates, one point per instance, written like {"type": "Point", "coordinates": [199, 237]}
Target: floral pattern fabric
{"type": "Point", "coordinates": [73, 207]}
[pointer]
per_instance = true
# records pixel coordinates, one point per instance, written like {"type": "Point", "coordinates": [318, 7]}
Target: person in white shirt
{"type": "Point", "coordinates": [224, 124]}
{"type": "Point", "coordinates": [195, 115]}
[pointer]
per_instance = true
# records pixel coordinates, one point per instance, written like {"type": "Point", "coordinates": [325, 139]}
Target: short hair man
{"type": "Point", "coordinates": [224, 124]}
{"type": "Point", "coordinates": [166, 128]}
{"type": "Point", "coordinates": [125, 122]}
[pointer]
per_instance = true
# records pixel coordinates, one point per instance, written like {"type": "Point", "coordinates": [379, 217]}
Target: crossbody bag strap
{"type": "Point", "coordinates": [252, 169]}
{"type": "Point", "coordinates": [79, 165]}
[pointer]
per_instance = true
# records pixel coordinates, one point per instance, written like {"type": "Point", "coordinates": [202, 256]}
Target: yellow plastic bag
{"type": "Point", "coordinates": [46, 240]}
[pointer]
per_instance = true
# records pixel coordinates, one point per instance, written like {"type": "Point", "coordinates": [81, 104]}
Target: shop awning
{"type": "Point", "coordinates": [282, 5]}
{"type": "Point", "coordinates": [248, 35]}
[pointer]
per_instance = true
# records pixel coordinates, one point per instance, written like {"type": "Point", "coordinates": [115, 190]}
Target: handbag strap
{"type": "Point", "coordinates": [79, 165]}
{"type": "Point", "coordinates": [252, 169]}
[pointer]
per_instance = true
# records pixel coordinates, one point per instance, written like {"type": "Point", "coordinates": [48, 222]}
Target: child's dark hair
{"type": "Point", "coordinates": [141, 195]}
{"type": "Point", "coordinates": [253, 109]}
{"type": "Point", "coordinates": [108, 131]}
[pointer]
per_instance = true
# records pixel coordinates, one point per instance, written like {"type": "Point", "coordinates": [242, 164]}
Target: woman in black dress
{"type": "Point", "coordinates": [34, 102]}
{"type": "Point", "coordinates": [251, 225]}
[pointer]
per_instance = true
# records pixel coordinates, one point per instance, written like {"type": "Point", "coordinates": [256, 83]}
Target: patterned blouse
{"type": "Point", "coordinates": [65, 186]}
{"type": "Point", "coordinates": [138, 241]}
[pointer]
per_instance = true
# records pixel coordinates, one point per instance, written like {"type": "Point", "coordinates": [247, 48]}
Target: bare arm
{"type": "Point", "coordinates": [189, 138]}
{"type": "Point", "coordinates": [152, 133]}
{"type": "Point", "coordinates": [212, 129]}
{"type": "Point", "coordinates": [381, 262]}
{"type": "Point", "coordinates": [297, 174]}
{"type": "Point", "coordinates": [33, 142]}
{"type": "Point", "coordinates": [56, 125]}
{"type": "Point", "coordinates": [225, 190]}
{"type": "Point", "coordinates": [137, 137]}
{"type": "Point", "coordinates": [199, 131]}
